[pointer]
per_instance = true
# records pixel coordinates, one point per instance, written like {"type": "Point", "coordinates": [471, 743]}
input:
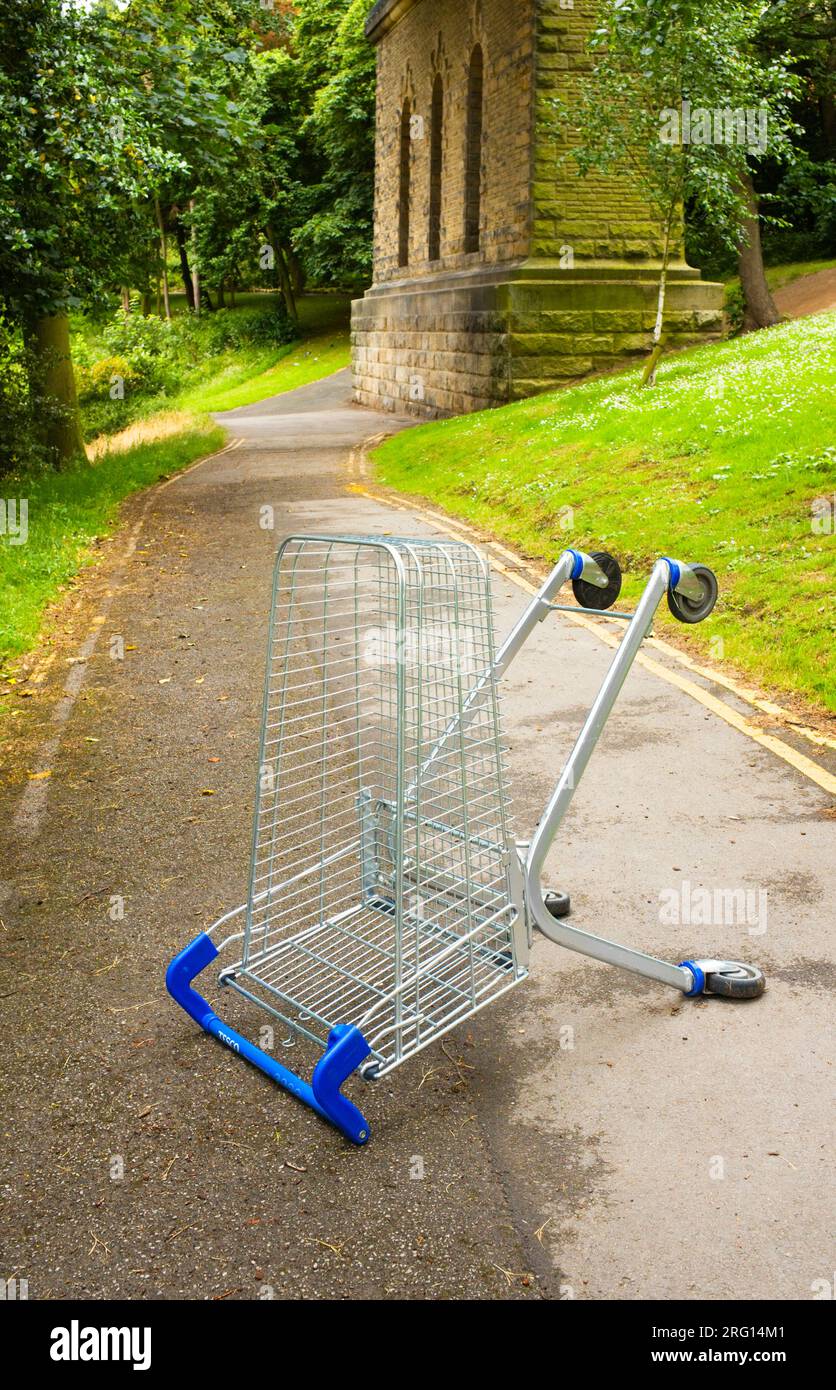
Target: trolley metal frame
{"type": "Point", "coordinates": [406, 976]}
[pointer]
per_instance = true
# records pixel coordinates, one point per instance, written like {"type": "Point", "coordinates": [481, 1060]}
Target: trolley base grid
{"type": "Point", "coordinates": [340, 971]}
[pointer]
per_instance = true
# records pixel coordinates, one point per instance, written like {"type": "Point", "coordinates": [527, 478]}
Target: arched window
{"type": "Point", "coordinates": [473, 153]}
{"type": "Point", "coordinates": [436, 133]}
{"type": "Point", "coordinates": [403, 186]}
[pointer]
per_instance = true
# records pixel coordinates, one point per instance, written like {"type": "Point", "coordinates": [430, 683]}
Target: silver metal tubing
{"type": "Point", "coordinates": [592, 572]}
{"type": "Point", "coordinates": [597, 612]}
{"type": "Point", "coordinates": [688, 583]}
{"type": "Point", "coordinates": [537, 610]}
{"type": "Point", "coordinates": [557, 930]}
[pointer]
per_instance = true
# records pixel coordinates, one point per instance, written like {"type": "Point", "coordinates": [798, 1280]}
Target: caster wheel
{"type": "Point", "coordinates": [370, 1071]}
{"type": "Point", "coordinates": [689, 610]}
{"type": "Point", "coordinates": [589, 595]}
{"type": "Point", "coordinates": [558, 904]}
{"type": "Point", "coordinates": [736, 981]}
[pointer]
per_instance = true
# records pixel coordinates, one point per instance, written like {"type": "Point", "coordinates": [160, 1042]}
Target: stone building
{"type": "Point", "coordinates": [498, 273]}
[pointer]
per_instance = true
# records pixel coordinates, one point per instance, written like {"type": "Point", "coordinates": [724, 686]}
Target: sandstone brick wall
{"type": "Point", "coordinates": [438, 37]}
{"type": "Point", "coordinates": [474, 329]}
{"type": "Point", "coordinates": [601, 217]}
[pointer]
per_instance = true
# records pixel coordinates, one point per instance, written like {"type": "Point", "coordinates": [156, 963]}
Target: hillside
{"type": "Point", "coordinates": [729, 460]}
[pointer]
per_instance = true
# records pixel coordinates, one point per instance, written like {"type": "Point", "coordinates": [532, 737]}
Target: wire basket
{"type": "Point", "coordinates": [379, 888]}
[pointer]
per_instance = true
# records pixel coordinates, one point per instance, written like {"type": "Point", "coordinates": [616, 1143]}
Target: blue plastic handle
{"type": "Point", "coordinates": [346, 1048]}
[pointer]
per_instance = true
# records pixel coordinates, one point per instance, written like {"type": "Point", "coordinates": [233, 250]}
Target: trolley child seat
{"type": "Point", "coordinates": [388, 900]}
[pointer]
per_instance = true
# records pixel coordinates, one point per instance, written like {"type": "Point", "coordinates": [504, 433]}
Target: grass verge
{"type": "Point", "coordinates": [68, 511]}
{"type": "Point", "coordinates": [729, 460]}
{"type": "Point", "coordinates": [254, 377]}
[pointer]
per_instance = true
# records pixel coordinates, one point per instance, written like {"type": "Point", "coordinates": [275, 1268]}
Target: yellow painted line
{"type": "Point", "coordinates": [750, 697]}
{"type": "Point", "coordinates": [824, 779]}
{"type": "Point", "coordinates": [799, 761]}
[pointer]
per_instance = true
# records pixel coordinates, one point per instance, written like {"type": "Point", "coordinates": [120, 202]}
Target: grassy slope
{"type": "Point", "coordinates": [242, 377]}
{"type": "Point", "coordinates": [245, 378]}
{"type": "Point", "coordinates": [719, 463]}
{"type": "Point", "coordinates": [69, 510]}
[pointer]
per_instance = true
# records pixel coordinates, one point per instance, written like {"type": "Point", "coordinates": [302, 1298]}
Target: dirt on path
{"type": "Point", "coordinates": [811, 294]}
{"type": "Point", "coordinates": [591, 1136]}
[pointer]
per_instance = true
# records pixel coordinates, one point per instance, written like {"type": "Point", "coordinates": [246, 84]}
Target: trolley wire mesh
{"type": "Point", "coordinates": [379, 890]}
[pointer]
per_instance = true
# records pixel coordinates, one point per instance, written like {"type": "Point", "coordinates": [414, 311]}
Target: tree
{"type": "Point", "coordinates": [800, 192]}
{"type": "Point", "coordinates": [677, 97]}
{"type": "Point", "coordinates": [303, 199]}
{"type": "Point", "coordinates": [760, 310]}
{"type": "Point", "coordinates": [74, 153]}
{"type": "Point", "coordinates": [108, 116]}
{"type": "Point", "coordinates": [336, 240]}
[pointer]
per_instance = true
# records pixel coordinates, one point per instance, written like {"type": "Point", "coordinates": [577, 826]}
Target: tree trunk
{"type": "Point", "coordinates": [297, 273]}
{"type": "Point", "coordinates": [284, 277]}
{"type": "Point", "coordinates": [649, 373]}
{"type": "Point", "coordinates": [126, 300]}
{"type": "Point", "coordinates": [221, 296]}
{"type": "Point", "coordinates": [163, 255]}
{"type": "Point", "coordinates": [195, 271]}
{"type": "Point", "coordinates": [185, 269]}
{"type": "Point", "coordinates": [48, 340]}
{"type": "Point", "coordinates": [760, 309]}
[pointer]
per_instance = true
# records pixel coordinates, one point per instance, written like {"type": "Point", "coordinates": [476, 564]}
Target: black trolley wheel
{"type": "Point", "coordinates": [689, 610]}
{"type": "Point", "coordinates": [589, 595]}
{"type": "Point", "coordinates": [736, 981]}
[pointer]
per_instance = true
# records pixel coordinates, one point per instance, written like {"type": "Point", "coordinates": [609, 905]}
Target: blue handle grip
{"type": "Point", "coordinates": [346, 1049]}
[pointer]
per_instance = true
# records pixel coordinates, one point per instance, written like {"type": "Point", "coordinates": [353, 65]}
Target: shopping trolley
{"type": "Point", "coordinates": [388, 900]}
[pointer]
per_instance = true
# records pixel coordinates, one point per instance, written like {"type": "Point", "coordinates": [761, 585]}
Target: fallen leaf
{"type": "Point", "coordinates": [38, 776]}
{"type": "Point", "coordinates": [207, 791]}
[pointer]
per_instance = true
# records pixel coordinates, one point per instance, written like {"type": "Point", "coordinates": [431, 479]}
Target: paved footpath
{"type": "Point", "coordinates": [591, 1136]}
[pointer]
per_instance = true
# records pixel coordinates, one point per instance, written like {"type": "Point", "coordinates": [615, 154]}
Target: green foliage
{"type": "Point", "coordinates": [20, 405]}
{"type": "Point", "coordinates": [648, 60]}
{"type": "Point", "coordinates": [797, 194]}
{"type": "Point", "coordinates": [735, 306]}
{"type": "Point", "coordinates": [307, 185]}
{"type": "Point", "coordinates": [158, 359]}
{"type": "Point", "coordinates": [336, 240]}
